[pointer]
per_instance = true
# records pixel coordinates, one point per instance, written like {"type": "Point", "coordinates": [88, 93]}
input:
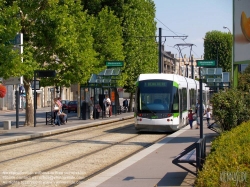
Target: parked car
{"type": "Point", "coordinates": [65, 104]}
{"type": "Point", "coordinates": [72, 106]}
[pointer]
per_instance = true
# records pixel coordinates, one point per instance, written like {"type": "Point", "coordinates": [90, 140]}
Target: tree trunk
{"type": "Point", "coordinates": [131, 101]}
{"type": "Point", "coordinates": [29, 114]}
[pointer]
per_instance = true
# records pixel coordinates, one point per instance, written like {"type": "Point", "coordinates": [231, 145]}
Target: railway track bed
{"type": "Point", "coordinates": [68, 158]}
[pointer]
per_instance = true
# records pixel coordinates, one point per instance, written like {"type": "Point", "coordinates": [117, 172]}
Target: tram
{"type": "Point", "coordinates": [162, 101]}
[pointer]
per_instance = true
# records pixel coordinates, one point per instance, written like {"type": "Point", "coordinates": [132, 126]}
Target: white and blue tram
{"type": "Point", "coordinates": [162, 101]}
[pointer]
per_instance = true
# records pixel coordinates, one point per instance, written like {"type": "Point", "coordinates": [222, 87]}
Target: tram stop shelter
{"type": "Point", "coordinates": [97, 87]}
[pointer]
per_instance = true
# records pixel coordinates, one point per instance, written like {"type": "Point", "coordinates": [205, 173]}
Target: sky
{"type": "Point", "coordinates": [193, 18]}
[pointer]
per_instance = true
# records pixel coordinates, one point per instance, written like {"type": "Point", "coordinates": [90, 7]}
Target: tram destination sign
{"type": "Point", "coordinates": [206, 63]}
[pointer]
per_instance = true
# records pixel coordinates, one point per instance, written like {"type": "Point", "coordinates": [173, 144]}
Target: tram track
{"type": "Point", "coordinates": [83, 153]}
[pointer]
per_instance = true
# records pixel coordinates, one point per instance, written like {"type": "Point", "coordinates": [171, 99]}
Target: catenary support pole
{"type": "Point", "coordinates": [201, 105]}
{"type": "Point", "coordinates": [17, 106]}
{"type": "Point", "coordinates": [160, 58]}
{"type": "Point", "coordinates": [34, 82]}
{"type": "Point", "coordinates": [192, 67]}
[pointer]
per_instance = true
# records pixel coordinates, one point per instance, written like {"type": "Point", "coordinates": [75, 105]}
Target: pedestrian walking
{"type": "Point", "coordinates": [125, 105]}
{"type": "Point", "coordinates": [191, 118]}
{"type": "Point", "coordinates": [209, 115]}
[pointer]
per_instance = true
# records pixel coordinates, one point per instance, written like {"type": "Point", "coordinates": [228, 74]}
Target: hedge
{"type": "Point", "coordinates": [228, 163]}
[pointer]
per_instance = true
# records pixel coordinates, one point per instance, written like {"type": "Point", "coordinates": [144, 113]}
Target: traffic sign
{"type": "Point", "coordinates": [45, 73]}
{"type": "Point", "coordinates": [206, 63]}
{"type": "Point", "coordinates": [13, 81]}
{"type": "Point", "coordinates": [114, 63]}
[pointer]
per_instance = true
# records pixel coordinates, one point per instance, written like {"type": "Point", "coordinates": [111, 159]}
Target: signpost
{"type": "Point", "coordinates": [114, 63]}
{"type": "Point", "coordinates": [40, 73]}
{"type": "Point", "coordinates": [200, 64]}
{"type": "Point", "coordinates": [206, 63]}
{"type": "Point", "coordinates": [13, 81]}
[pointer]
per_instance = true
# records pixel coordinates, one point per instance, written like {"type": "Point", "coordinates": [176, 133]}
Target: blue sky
{"type": "Point", "coordinates": [192, 18]}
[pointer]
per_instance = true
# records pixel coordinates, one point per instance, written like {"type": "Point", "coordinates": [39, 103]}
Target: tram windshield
{"type": "Point", "coordinates": [157, 96]}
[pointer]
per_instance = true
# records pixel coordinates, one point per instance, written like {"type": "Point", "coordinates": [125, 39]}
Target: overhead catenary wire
{"type": "Point", "coordinates": [176, 35]}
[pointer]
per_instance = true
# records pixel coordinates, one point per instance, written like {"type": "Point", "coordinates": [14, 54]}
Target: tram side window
{"type": "Point", "coordinates": [204, 98]}
{"type": "Point", "coordinates": [192, 98]}
{"type": "Point", "coordinates": [184, 95]}
{"type": "Point", "coordinates": [175, 99]}
{"type": "Point", "coordinates": [198, 95]}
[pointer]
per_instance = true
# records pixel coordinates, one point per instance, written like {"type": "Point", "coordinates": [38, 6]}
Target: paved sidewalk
{"type": "Point", "coordinates": [153, 167]}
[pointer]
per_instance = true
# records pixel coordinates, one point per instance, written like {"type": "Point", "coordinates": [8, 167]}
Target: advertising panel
{"type": "Point", "coordinates": [241, 26]}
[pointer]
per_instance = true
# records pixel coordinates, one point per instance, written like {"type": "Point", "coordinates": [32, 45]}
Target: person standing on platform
{"type": "Point", "coordinates": [91, 107]}
{"type": "Point", "coordinates": [107, 103]}
{"type": "Point", "coordinates": [125, 105]}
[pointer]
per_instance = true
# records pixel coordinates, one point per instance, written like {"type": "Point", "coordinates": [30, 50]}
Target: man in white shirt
{"type": "Point", "coordinates": [107, 103]}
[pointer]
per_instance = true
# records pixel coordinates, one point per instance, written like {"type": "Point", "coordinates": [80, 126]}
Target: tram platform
{"type": "Point", "coordinates": [153, 167]}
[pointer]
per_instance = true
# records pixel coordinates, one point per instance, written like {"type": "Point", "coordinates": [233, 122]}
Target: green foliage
{"type": "Point", "coordinates": [138, 27]}
{"type": "Point", "coordinates": [9, 26]}
{"type": "Point", "coordinates": [64, 41]}
{"type": "Point", "coordinates": [230, 108]}
{"type": "Point", "coordinates": [76, 37]}
{"type": "Point", "coordinates": [244, 82]}
{"type": "Point", "coordinates": [218, 45]}
{"type": "Point", "coordinates": [247, 70]}
{"type": "Point", "coordinates": [140, 47]}
{"type": "Point", "coordinates": [228, 164]}
{"type": "Point", "coordinates": [108, 41]}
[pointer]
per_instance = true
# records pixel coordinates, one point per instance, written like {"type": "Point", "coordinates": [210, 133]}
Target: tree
{"type": "Point", "coordinates": [247, 70]}
{"type": "Point", "coordinates": [244, 82]}
{"type": "Point", "coordinates": [139, 27]}
{"type": "Point", "coordinates": [230, 108]}
{"type": "Point", "coordinates": [108, 41]}
{"type": "Point", "coordinates": [9, 26]}
{"type": "Point", "coordinates": [140, 47]}
{"type": "Point", "coordinates": [218, 46]}
{"type": "Point", "coordinates": [57, 36]}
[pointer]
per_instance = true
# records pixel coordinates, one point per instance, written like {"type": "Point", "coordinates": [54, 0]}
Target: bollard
{"type": "Point", "coordinates": [7, 125]}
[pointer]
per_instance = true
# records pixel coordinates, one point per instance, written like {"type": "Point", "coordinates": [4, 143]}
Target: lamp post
{"type": "Point", "coordinates": [224, 27]}
{"type": "Point", "coordinates": [232, 74]}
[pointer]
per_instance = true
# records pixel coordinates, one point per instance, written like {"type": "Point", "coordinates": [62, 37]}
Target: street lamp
{"type": "Point", "coordinates": [224, 27]}
{"type": "Point", "coordinates": [232, 74]}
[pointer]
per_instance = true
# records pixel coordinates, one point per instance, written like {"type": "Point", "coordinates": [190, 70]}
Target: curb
{"type": "Point", "coordinates": [59, 131]}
